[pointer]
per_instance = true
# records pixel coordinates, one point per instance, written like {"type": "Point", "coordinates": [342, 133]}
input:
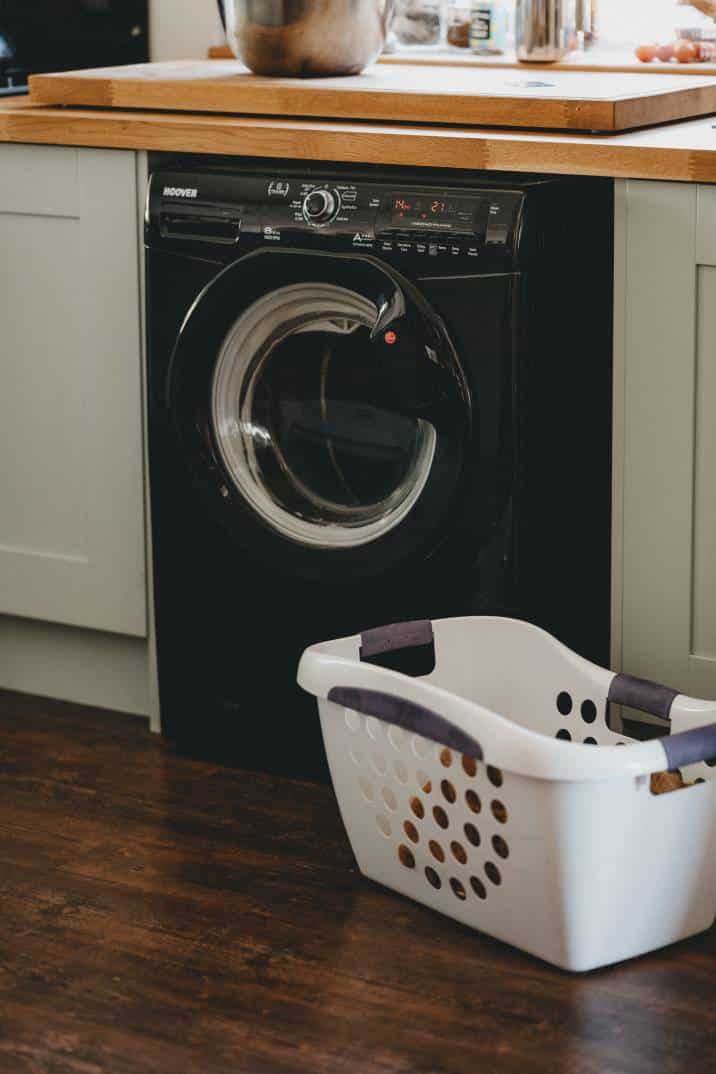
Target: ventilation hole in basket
{"type": "Point", "coordinates": [436, 850]}
{"type": "Point", "coordinates": [493, 873]}
{"type": "Point", "coordinates": [356, 755]}
{"type": "Point", "coordinates": [478, 887]}
{"type": "Point", "coordinates": [401, 771]}
{"type": "Point", "coordinates": [449, 792]}
{"type": "Point", "coordinates": [700, 780]}
{"type": "Point", "coordinates": [564, 735]}
{"type": "Point", "coordinates": [458, 852]}
{"type": "Point", "coordinates": [352, 720]}
{"type": "Point", "coordinates": [445, 757]}
{"type": "Point", "coordinates": [469, 765]}
{"type": "Point", "coordinates": [411, 831]}
{"type": "Point", "coordinates": [373, 728]}
{"type": "Point", "coordinates": [458, 889]}
{"type": "Point", "coordinates": [432, 877]}
{"type": "Point", "coordinates": [396, 737]}
{"type": "Point", "coordinates": [499, 811]}
{"type": "Point", "coordinates": [379, 763]}
{"type": "Point", "coordinates": [441, 817]}
{"type": "Point", "coordinates": [621, 743]}
{"type": "Point", "coordinates": [424, 781]}
{"type": "Point", "coordinates": [419, 746]}
{"type": "Point", "coordinates": [712, 762]}
{"type": "Point", "coordinates": [407, 858]}
{"type": "Point", "coordinates": [500, 847]}
{"type": "Point", "coordinates": [495, 776]}
{"type": "Point", "coordinates": [564, 703]}
{"type": "Point", "coordinates": [472, 835]}
{"type": "Point", "coordinates": [390, 800]}
{"type": "Point", "coordinates": [384, 825]}
{"type": "Point", "coordinates": [366, 789]}
{"type": "Point", "coordinates": [589, 741]}
{"type": "Point", "coordinates": [589, 711]}
{"type": "Point", "coordinates": [417, 807]}
{"type": "Point", "coordinates": [473, 801]}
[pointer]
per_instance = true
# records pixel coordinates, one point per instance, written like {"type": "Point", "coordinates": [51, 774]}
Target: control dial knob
{"type": "Point", "coordinates": [320, 206]}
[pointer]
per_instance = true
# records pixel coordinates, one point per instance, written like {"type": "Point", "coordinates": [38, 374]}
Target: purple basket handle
{"type": "Point", "coordinates": [642, 694]}
{"type": "Point", "coordinates": [388, 639]}
{"type": "Point", "coordinates": [686, 747]}
{"type": "Point", "coordinates": [408, 715]}
{"type": "Point", "coordinates": [689, 747]}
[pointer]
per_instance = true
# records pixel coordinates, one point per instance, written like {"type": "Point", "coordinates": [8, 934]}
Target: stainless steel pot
{"type": "Point", "coordinates": [544, 29]}
{"type": "Point", "coordinates": [307, 38]}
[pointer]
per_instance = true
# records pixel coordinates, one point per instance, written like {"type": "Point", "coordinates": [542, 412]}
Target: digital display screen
{"type": "Point", "coordinates": [430, 211]}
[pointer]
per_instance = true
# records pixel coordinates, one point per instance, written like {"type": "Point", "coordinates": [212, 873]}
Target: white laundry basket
{"type": "Point", "coordinates": [493, 790]}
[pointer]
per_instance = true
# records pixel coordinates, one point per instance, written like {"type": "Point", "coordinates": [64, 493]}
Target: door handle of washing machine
{"type": "Point", "coordinates": [408, 715]}
{"type": "Point", "coordinates": [392, 309]}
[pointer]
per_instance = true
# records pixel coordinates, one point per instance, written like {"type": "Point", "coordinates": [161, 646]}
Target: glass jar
{"type": "Point", "coordinates": [458, 24]}
{"type": "Point", "coordinates": [418, 22]}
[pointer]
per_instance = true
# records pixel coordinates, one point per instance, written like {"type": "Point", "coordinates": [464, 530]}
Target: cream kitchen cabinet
{"type": "Point", "coordinates": [72, 530]}
{"type": "Point", "coordinates": [664, 624]}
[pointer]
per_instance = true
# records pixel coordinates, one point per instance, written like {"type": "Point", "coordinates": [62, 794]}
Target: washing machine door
{"type": "Point", "coordinates": [321, 408]}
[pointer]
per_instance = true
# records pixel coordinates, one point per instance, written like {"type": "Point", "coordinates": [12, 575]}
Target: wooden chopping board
{"type": "Point", "coordinates": [571, 100]}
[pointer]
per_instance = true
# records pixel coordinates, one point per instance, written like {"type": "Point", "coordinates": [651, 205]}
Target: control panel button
{"type": "Point", "coordinates": [320, 206]}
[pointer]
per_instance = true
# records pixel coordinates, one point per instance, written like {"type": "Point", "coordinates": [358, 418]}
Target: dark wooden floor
{"type": "Point", "coordinates": [162, 915]}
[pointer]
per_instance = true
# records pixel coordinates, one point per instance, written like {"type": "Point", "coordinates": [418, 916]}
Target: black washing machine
{"type": "Point", "coordinates": [373, 397]}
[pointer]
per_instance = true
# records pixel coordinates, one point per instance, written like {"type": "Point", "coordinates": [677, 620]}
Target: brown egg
{"type": "Point", "coordinates": [685, 51]}
{"type": "Point", "coordinates": [645, 53]}
{"type": "Point", "coordinates": [665, 52]}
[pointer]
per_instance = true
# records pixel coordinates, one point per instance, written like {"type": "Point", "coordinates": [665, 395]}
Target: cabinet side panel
{"type": "Point", "coordinates": [703, 642]}
{"type": "Point", "coordinates": [658, 430]}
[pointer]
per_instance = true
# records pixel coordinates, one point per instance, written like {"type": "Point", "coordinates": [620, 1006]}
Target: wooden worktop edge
{"type": "Point", "coordinates": [366, 143]}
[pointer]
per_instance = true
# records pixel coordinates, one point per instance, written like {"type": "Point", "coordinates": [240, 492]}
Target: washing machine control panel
{"type": "Point", "coordinates": [395, 221]}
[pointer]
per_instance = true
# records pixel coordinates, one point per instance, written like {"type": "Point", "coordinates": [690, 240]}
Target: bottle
{"type": "Point", "coordinates": [488, 27]}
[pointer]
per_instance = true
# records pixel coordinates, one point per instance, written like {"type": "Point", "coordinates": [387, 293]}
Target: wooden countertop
{"type": "Point", "coordinates": [164, 915]}
{"type": "Point", "coordinates": [679, 151]}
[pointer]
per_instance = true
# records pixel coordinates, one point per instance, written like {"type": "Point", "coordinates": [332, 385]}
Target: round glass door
{"type": "Point", "coordinates": [319, 405]}
{"type": "Point", "coordinates": [308, 421]}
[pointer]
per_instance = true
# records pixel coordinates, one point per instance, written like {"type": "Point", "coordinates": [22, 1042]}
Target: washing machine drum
{"type": "Point", "coordinates": [321, 408]}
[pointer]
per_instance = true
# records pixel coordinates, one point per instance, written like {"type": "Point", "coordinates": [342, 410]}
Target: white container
{"type": "Point", "coordinates": [456, 792]}
{"type": "Point", "coordinates": [488, 27]}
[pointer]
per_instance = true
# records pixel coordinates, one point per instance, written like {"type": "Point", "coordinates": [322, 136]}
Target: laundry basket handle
{"type": "Point", "coordinates": [689, 747]}
{"type": "Point", "coordinates": [642, 694]}
{"type": "Point", "coordinates": [395, 636]}
{"type": "Point", "coordinates": [684, 748]}
{"type": "Point", "coordinates": [406, 714]}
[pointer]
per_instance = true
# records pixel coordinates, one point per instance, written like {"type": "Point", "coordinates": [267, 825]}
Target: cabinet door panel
{"type": "Point", "coordinates": [666, 591]}
{"type": "Point", "coordinates": [39, 179]}
{"type": "Point", "coordinates": [71, 520]}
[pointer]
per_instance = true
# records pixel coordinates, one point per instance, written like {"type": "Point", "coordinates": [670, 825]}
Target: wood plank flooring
{"type": "Point", "coordinates": [164, 916]}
